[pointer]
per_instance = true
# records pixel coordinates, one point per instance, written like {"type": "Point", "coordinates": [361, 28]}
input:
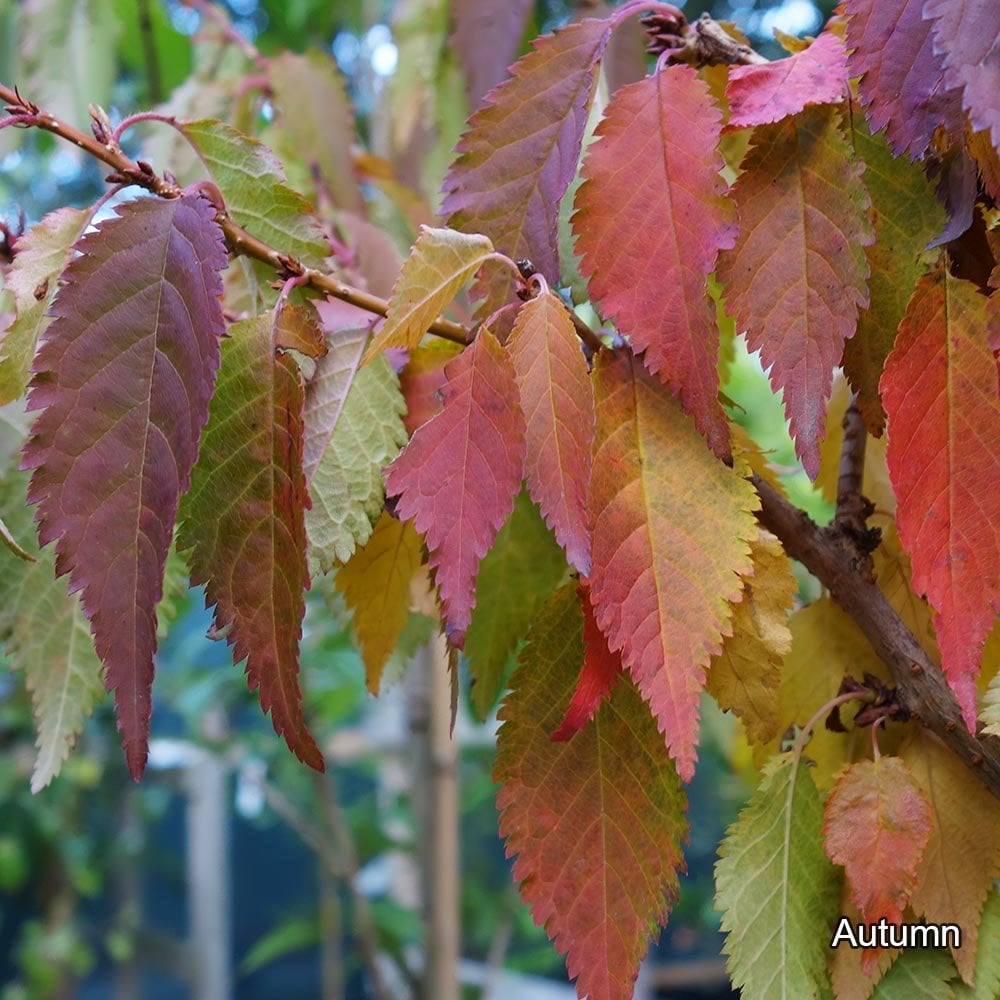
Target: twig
{"type": "Point", "coordinates": [853, 508]}
{"type": "Point", "coordinates": [138, 172]}
{"type": "Point", "coordinates": [833, 556]}
{"type": "Point", "coordinates": [704, 43]}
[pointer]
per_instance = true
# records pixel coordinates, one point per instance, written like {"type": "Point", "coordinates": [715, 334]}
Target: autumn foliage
{"type": "Point", "coordinates": [229, 386]}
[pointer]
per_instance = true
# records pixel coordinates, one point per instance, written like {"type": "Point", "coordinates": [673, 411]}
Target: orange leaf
{"type": "Point", "coordinates": [651, 218]}
{"type": "Point", "coordinates": [671, 525]}
{"type": "Point", "coordinates": [876, 823]}
{"type": "Point", "coordinates": [797, 275]}
{"type": "Point", "coordinates": [597, 823]}
{"type": "Point", "coordinates": [940, 395]}
{"type": "Point", "coordinates": [558, 403]}
{"type": "Point", "coordinates": [459, 475]}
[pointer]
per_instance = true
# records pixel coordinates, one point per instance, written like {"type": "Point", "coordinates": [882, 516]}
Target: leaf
{"type": "Point", "coordinates": [459, 475]}
{"type": "Point", "coordinates": [375, 583]}
{"type": "Point", "coordinates": [902, 77]}
{"type": "Point", "coordinates": [422, 380]}
{"type": "Point", "coordinates": [487, 36]}
{"type": "Point", "coordinates": [519, 153]}
{"type": "Point", "coordinates": [746, 676]}
{"type": "Point", "coordinates": [906, 217]}
{"type": "Point", "coordinates": [515, 578]}
{"type": "Point", "coordinates": [319, 120]}
{"type": "Point", "coordinates": [671, 527]}
{"type": "Point", "coordinates": [963, 854]}
{"type": "Point", "coordinates": [327, 391]}
{"type": "Point", "coordinates": [558, 404]}
{"type": "Point", "coordinates": [651, 218]}
{"type": "Point", "coordinates": [877, 822]}
{"type": "Point", "coordinates": [243, 527]}
{"type": "Point", "coordinates": [986, 974]}
{"type": "Point", "coordinates": [440, 262]}
{"type": "Point", "coordinates": [826, 645]}
{"type": "Point", "coordinates": [346, 485]}
{"type": "Point", "coordinates": [918, 975]}
{"type": "Point", "coordinates": [939, 391]}
{"type": "Point", "coordinates": [767, 92]}
{"type": "Point", "coordinates": [989, 713]}
{"type": "Point", "coordinates": [796, 278]}
{"type": "Point", "coordinates": [47, 637]}
{"type": "Point", "coordinates": [124, 375]}
{"type": "Point", "coordinates": [66, 46]}
{"type": "Point", "coordinates": [252, 181]}
{"type": "Point", "coordinates": [297, 329]}
{"type": "Point", "coordinates": [777, 890]}
{"type": "Point", "coordinates": [599, 674]}
{"type": "Point", "coordinates": [967, 36]}
{"type": "Point", "coordinates": [42, 253]}
{"type": "Point", "coordinates": [597, 823]}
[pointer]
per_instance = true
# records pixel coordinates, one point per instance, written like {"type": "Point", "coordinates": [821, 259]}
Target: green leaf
{"type": "Point", "coordinates": [515, 579]}
{"type": "Point", "coordinates": [347, 489]}
{"type": "Point", "coordinates": [47, 637]}
{"type": "Point", "coordinates": [906, 217]}
{"type": "Point", "coordinates": [252, 181]}
{"type": "Point", "coordinates": [921, 975]}
{"type": "Point", "coordinates": [777, 890]}
{"type": "Point", "coordinates": [67, 47]}
{"type": "Point", "coordinates": [42, 253]}
{"type": "Point", "coordinates": [291, 935]}
{"type": "Point", "coordinates": [319, 120]}
{"type": "Point", "coordinates": [987, 970]}
{"type": "Point", "coordinates": [243, 520]}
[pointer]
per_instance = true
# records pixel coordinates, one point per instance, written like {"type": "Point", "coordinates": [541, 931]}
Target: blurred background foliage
{"type": "Point", "coordinates": [93, 880]}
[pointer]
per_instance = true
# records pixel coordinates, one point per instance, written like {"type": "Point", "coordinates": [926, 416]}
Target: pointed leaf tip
{"type": "Point", "coordinates": [243, 521]}
{"type": "Point", "coordinates": [671, 530]}
{"type": "Point", "coordinates": [123, 380]}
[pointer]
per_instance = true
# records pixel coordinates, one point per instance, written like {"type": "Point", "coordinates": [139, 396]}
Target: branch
{"type": "Point", "coordinates": [834, 556]}
{"type": "Point", "coordinates": [704, 43]}
{"type": "Point", "coordinates": [126, 170]}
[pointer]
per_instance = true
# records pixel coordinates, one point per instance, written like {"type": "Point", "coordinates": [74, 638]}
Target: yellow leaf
{"type": "Point", "coordinates": [746, 676]}
{"type": "Point", "coordinates": [441, 261]}
{"type": "Point", "coordinates": [963, 855]}
{"type": "Point", "coordinates": [826, 645]}
{"type": "Point", "coordinates": [375, 583]}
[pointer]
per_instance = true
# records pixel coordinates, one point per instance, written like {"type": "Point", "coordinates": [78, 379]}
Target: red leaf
{"type": "Point", "coordinates": [597, 823]}
{"type": "Point", "coordinates": [940, 395]}
{"type": "Point", "coordinates": [671, 524]}
{"type": "Point", "coordinates": [797, 275]}
{"type": "Point", "coordinates": [877, 822]}
{"type": "Point", "coordinates": [601, 671]}
{"type": "Point", "coordinates": [459, 475]}
{"type": "Point", "coordinates": [244, 521]}
{"type": "Point", "coordinates": [902, 78]}
{"type": "Point", "coordinates": [767, 92]}
{"type": "Point", "coordinates": [967, 36]}
{"type": "Point", "coordinates": [124, 375]}
{"type": "Point", "coordinates": [651, 218]}
{"type": "Point", "coordinates": [558, 404]}
{"type": "Point", "coordinates": [519, 153]}
{"type": "Point", "coordinates": [487, 36]}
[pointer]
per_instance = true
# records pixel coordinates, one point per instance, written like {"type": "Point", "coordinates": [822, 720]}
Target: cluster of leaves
{"type": "Point", "coordinates": [593, 509]}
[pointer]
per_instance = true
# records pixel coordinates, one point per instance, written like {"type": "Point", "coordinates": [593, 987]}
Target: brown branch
{"type": "Point", "coordinates": [834, 556]}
